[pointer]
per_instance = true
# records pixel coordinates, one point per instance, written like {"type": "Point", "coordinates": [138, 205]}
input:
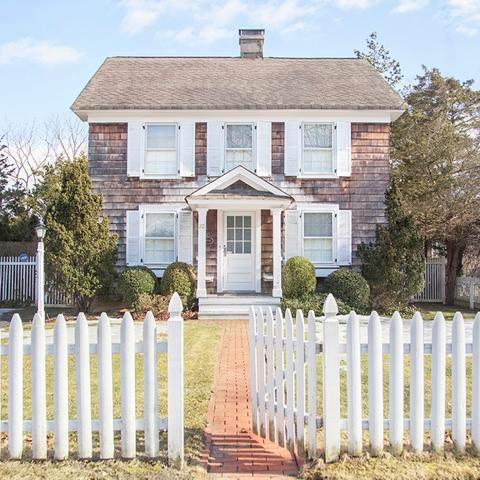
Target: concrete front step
{"type": "Point", "coordinates": [232, 307]}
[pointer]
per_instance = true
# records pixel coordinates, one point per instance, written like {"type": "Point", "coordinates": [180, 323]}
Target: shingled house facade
{"type": "Point", "coordinates": [237, 164]}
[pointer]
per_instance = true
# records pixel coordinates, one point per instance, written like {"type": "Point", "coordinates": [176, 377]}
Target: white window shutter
{"type": "Point", "coordinates": [264, 149]}
{"type": "Point", "coordinates": [293, 142]}
{"type": "Point", "coordinates": [133, 238]}
{"type": "Point", "coordinates": [344, 237]}
{"type": "Point", "coordinates": [187, 149]}
{"type": "Point", "coordinates": [135, 148]}
{"type": "Point", "coordinates": [292, 229]}
{"type": "Point", "coordinates": [185, 237]}
{"type": "Point", "coordinates": [344, 149]}
{"type": "Point", "coordinates": [215, 148]}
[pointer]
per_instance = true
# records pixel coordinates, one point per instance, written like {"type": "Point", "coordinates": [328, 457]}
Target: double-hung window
{"type": "Point", "coordinates": [161, 141]}
{"type": "Point", "coordinates": [318, 236]}
{"type": "Point", "coordinates": [159, 238]}
{"type": "Point", "coordinates": [318, 155]}
{"type": "Point", "coordinates": [239, 145]}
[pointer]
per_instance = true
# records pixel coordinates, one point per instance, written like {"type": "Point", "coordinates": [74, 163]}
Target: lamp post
{"type": "Point", "coordinates": [40, 273]}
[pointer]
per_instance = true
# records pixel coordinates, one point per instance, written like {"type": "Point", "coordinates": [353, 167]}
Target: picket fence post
{"type": "Point", "coordinates": [39, 395]}
{"type": "Point", "coordinates": [300, 382]}
{"type": "Point", "coordinates": [279, 380]}
{"type": "Point", "coordinates": [104, 366]}
{"type": "Point", "coordinates": [354, 381]}
{"type": "Point", "coordinates": [60, 368]}
{"type": "Point", "coordinates": [375, 385]}
{"type": "Point", "coordinates": [312, 384]}
{"type": "Point", "coordinates": [289, 381]}
{"type": "Point", "coordinates": [459, 395]}
{"type": "Point", "coordinates": [175, 382]}
{"type": "Point", "coordinates": [476, 384]}
{"type": "Point", "coordinates": [417, 383]}
{"type": "Point", "coordinates": [437, 413]}
{"type": "Point", "coordinates": [270, 377]}
{"type": "Point", "coordinates": [331, 380]}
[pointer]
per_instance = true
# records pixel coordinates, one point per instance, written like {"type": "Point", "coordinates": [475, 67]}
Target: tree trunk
{"type": "Point", "coordinates": [455, 250]}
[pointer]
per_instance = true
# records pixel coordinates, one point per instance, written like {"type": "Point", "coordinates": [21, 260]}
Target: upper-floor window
{"type": "Point", "coordinates": [239, 145]}
{"type": "Point", "coordinates": [318, 236]}
{"type": "Point", "coordinates": [318, 157]}
{"type": "Point", "coordinates": [159, 238]}
{"type": "Point", "coordinates": [161, 149]}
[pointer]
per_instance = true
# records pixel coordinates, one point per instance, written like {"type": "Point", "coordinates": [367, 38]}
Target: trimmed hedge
{"type": "Point", "coordinates": [180, 277]}
{"type": "Point", "coordinates": [298, 277]}
{"type": "Point", "coordinates": [350, 287]}
{"type": "Point", "coordinates": [135, 281]}
{"type": "Point", "coordinates": [313, 302]}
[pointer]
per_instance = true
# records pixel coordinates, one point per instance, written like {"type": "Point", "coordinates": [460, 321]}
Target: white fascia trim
{"type": "Point", "coordinates": [239, 204]}
{"type": "Point", "coordinates": [238, 173]}
{"type": "Point", "coordinates": [356, 116]}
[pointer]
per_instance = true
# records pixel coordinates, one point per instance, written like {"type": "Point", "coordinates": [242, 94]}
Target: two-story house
{"type": "Point", "coordinates": [235, 164]}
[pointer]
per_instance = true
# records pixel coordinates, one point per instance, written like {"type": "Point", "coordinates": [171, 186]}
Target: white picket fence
{"type": "Point", "coordinates": [82, 349]}
{"type": "Point", "coordinates": [467, 292]}
{"type": "Point", "coordinates": [284, 388]}
{"type": "Point", "coordinates": [17, 283]}
{"type": "Point", "coordinates": [434, 281]}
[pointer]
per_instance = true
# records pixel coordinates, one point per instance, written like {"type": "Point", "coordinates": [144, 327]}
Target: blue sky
{"type": "Point", "coordinates": [49, 49]}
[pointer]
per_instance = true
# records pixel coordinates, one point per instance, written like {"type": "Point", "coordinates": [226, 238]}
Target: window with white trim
{"type": "Point", "coordinates": [318, 236]}
{"type": "Point", "coordinates": [318, 154]}
{"type": "Point", "coordinates": [161, 140]}
{"type": "Point", "coordinates": [159, 238]}
{"type": "Point", "coordinates": [239, 145]}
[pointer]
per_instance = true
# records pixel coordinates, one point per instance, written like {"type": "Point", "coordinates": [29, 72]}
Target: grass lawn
{"type": "Point", "coordinates": [201, 341]}
{"type": "Point", "coordinates": [428, 311]}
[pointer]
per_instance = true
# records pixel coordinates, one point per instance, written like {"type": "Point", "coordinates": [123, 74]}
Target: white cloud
{"type": "Point", "coordinates": [405, 6]}
{"type": "Point", "coordinates": [41, 52]}
{"type": "Point", "coordinates": [465, 15]}
{"type": "Point", "coordinates": [347, 4]}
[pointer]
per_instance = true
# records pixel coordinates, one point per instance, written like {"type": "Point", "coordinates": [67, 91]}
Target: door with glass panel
{"type": "Point", "coordinates": [238, 252]}
{"type": "Point", "coordinates": [318, 237]}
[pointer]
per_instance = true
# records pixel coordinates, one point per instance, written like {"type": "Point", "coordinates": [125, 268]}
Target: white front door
{"type": "Point", "coordinates": [238, 251]}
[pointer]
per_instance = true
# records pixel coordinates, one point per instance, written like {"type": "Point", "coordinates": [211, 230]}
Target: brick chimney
{"type": "Point", "coordinates": [251, 43]}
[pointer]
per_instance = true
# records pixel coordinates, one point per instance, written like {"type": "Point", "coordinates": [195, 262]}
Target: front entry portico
{"type": "Point", "coordinates": [240, 200]}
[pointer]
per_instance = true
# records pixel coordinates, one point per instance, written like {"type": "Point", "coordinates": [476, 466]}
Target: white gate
{"type": "Point", "coordinates": [60, 394]}
{"type": "Point", "coordinates": [17, 283]}
{"type": "Point", "coordinates": [285, 386]}
{"type": "Point", "coordinates": [434, 281]}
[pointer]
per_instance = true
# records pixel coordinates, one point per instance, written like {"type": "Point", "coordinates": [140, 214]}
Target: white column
{"type": "Point", "coordinates": [202, 252]}
{"type": "Point", "coordinates": [40, 277]}
{"type": "Point", "coordinates": [277, 252]}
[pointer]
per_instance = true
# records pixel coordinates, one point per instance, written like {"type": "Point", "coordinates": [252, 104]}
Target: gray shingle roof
{"type": "Point", "coordinates": [204, 83]}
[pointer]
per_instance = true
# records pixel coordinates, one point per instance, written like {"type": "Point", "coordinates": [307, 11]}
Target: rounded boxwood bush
{"type": "Point", "coordinates": [350, 287]}
{"type": "Point", "coordinates": [133, 282]}
{"type": "Point", "coordinates": [298, 277]}
{"type": "Point", "coordinates": [179, 277]}
{"type": "Point", "coordinates": [313, 302]}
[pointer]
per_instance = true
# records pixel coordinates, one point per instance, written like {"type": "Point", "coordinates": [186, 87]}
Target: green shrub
{"type": "Point", "coordinates": [350, 287]}
{"type": "Point", "coordinates": [133, 282]}
{"type": "Point", "coordinates": [298, 277]}
{"type": "Point", "coordinates": [179, 277]}
{"type": "Point", "coordinates": [313, 302]}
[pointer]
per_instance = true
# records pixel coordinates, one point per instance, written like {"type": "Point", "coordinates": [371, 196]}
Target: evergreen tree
{"type": "Point", "coordinates": [382, 61]}
{"type": "Point", "coordinates": [80, 251]}
{"type": "Point", "coordinates": [394, 265]}
{"type": "Point", "coordinates": [436, 163]}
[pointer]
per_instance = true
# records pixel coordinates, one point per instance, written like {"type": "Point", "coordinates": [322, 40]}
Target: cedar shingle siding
{"type": "Point", "coordinates": [362, 192]}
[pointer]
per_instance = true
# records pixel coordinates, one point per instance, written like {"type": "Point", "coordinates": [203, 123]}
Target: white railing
{"type": "Point", "coordinates": [17, 282]}
{"type": "Point", "coordinates": [434, 281]}
{"type": "Point", "coordinates": [82, 349]}
{"type": "Point", "coordinates": [467, 292]}
{"type": "Point", "coordinates": [284, 387]}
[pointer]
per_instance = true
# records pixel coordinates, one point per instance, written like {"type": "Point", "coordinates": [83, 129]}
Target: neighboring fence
{"type": "Point", "coordinates": [17, 283]}
{"type": "Point", "coordinates": [467, 292]}
{"type": "Point", "coordinates": [434, 281]}
{"type": "Point", "coordinates": [284, 389]}
{"type": "Point", "coordinates": [83, 424]}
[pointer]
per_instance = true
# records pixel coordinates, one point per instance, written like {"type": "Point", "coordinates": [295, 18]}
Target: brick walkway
{"type": "Point", "coordinates": [232, 450]}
